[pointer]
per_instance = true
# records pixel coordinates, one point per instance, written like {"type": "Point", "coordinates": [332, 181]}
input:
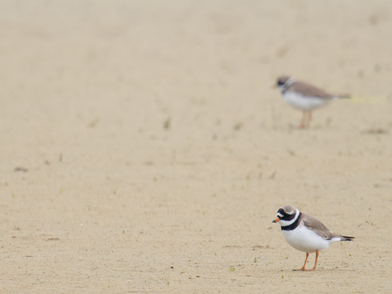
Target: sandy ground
{"type": "Point", "coordinates": [143, 149]}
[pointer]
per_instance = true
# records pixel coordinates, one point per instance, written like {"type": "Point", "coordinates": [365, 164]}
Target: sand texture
{"type": "Point", "coordinates": [143, 148]}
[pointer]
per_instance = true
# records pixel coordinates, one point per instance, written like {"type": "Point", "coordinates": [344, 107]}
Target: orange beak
{"type": "Point", "coordinates": [276, 220]}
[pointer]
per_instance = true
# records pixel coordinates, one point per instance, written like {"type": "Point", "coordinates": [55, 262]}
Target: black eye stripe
{"type": "Point", "coordinates": [282, 212]}
{"type": "Point", "coordinates": [286, 216]}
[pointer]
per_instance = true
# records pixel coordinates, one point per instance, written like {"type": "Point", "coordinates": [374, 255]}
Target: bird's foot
{"type": "Point", "coordinates": [304, 270]}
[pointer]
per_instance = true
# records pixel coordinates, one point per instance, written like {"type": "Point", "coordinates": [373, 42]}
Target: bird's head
{"type": "Point", "coordinates": [286, 215]}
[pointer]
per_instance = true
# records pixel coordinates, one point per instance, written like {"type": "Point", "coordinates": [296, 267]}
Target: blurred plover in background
{"type": "Point", "coordinates": [304, 97]}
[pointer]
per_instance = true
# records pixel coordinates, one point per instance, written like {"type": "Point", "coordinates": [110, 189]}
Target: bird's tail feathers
{"type": "Point", "coordinates": [343, 96]}
{"type": "Point", "coordinates": [346, 238]}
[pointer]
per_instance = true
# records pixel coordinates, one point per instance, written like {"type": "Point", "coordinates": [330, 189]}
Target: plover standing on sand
{"type": "Point", "coordinates": [304, 97]}
{"type": "Point", "coordinates": [305, 233]}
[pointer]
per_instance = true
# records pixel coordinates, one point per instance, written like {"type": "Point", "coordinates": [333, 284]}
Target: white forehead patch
{"type": "Point", "coordinates": [279, 215]}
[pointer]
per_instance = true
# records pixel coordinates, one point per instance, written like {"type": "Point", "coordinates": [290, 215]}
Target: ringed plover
{"type": "Point", "coordinates": [304, 97]}
{"type": "Point", "coordinates": [305, 233]}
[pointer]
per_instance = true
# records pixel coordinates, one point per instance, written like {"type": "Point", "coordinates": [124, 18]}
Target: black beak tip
{"type": "Point", "coordinates": [274, 221]}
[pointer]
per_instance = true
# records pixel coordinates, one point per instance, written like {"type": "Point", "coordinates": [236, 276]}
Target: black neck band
{"type": "Point", "coordinates": [293, 225]}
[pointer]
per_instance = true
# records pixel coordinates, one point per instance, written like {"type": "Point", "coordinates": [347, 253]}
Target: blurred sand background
{"type": "Point", "coordinates": [144, 150]}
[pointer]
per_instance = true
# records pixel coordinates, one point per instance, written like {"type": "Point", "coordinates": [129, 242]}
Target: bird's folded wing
{"type": "Point", "coordinates": [316, 226]}
{"type": "Point", "coordinates": [309, 90]}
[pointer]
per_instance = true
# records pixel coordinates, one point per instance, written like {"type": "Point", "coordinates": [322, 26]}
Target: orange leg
{"type": "Point", "coordinates": [306, 118]}
{"type": "Point", "coordinates": [303, 268]}
{"type": "Point", "coordinates": [315, 263]}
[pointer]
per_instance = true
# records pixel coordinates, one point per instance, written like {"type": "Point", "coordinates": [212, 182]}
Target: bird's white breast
{"type": "Point", "coordinates": [304, 239]}
{"type": "Point", "coordinates": [301, 102]}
